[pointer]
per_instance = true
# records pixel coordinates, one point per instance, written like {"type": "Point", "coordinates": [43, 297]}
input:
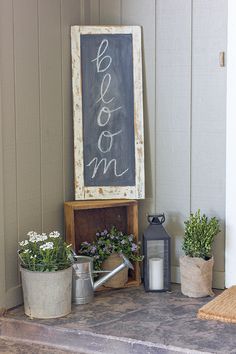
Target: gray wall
{"type": "Point", "coordinates": [184, 109]}
{"type": "Point", "coordinates": [36, 163]}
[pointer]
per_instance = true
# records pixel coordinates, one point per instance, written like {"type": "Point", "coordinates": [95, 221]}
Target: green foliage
{"type": "Point", "coordinates": [45, 253]}
{"type": "Point", "coordinates": [199, 235]}
{"type": "Point", "coordinates": [108, 242]}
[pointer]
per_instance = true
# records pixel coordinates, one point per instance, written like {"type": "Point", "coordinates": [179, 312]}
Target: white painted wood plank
{"type": "Point", "coordinates": [110, 12]}
{"type": "Point", "coordinates": [70, 15]}
{"type": "Point", "coordinates": [143, 13]}
{"type": "Point", "coordinates": [2, 234]}
{"type": "Point", "coordinates": [27, 115]}
{"type": "Point", "coordinates": [94, 12]}
{"type": "Point", "coordinates": [230, 232]}
{"type": "Point", "coordinates": [52, 188]}
{"type": "Point", "coordinates": [9, 197]}
{"type": "Point", "coordinates": [208, 114]}
{"type": "Point", "coordinates": [173, 90]}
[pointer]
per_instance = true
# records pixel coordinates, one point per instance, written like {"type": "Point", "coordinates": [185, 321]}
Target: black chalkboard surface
{"type": "Point", "coordinates": [108, 109]}
{"type": "Point", "coordinates": [108, 112]}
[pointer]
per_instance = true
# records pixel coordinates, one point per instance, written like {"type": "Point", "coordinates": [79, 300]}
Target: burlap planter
{"type": "Point", "coordinates": [196, 276]}
{"type": "Point", "coordinates": [120, 279]}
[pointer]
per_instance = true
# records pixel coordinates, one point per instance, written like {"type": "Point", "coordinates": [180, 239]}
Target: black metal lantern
{"type": "Point", "coordinates": [156, 247]}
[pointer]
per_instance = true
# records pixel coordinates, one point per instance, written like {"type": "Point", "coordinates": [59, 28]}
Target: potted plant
{"type": "Point", "coordinates": [197, 264]}
{"type": "Point", "coordinates": [106, 251]}
{"type": "Point", "coordinates": [46, 272]}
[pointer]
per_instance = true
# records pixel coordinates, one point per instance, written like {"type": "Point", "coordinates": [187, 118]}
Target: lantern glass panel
{"type": "Point", "coordinates": [155, 263]}
{"type": "Point", "coordinates": [155, 248]}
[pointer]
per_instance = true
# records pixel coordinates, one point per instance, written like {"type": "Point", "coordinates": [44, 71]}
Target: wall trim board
{"type": "Point", "coordinates": [218, 277]}
{"type": "Point", "coordinates": [230, 244]}
{"type": "Point", "coordinates": [83, 12]}
{"type": "Point", "coordinates": [2, 234]}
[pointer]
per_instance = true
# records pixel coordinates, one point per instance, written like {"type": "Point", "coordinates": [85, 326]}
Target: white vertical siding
{"type": "Point", "coordinates": [184, 109]}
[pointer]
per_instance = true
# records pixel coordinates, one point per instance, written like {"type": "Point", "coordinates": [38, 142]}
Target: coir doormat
{"type": "Point", "coordinates": [222, 308]}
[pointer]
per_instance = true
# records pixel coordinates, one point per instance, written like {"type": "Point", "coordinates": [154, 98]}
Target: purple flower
{"type": "Point", "coordinates": [134, 247]}
{"type": "Point", "coordinates": [105, 232]}
{"type": "Point", "coordinates": [85, 243]}
{"type": "Point", "coordinates": [97, 234]}
{"type": "Point", "coordinates": [93, 249]}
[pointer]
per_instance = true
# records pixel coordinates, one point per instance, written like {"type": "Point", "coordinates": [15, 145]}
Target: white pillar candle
{"type": "Point", "coordinates": [156, 274]}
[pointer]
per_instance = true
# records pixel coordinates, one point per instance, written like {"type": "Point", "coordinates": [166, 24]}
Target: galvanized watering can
{"type": "Point", "coordinates": [83, 285]}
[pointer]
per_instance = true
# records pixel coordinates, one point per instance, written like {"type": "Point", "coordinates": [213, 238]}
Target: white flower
{"type": "Point", "coordinates": [32, 233]}
{"type": "Point", "coordinates": [35, 237]}
{"type": "Point", "coordinates": [24, 243]}
{"type": "Point", "coordinates": [131, 237]}
{"type": "Point", "coordinates": [47, 246]}
{"type": "Point", "coordinates": [54, 234]}
{"type": "Point", "coordinates": [38, 238]}
{"type": "Point", "coordinates": [26, 251]}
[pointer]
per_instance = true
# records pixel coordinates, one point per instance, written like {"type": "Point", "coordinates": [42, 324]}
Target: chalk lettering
{"type": "Point", "coordinates": [101, 50]}
{"type": "Point", "coordinates": [106, 138]}
{"type": "Point", "coordinates": [105, 166]}
{"type": "Point", "coordinates": [105, 111]}
{"type": "Point", "coordinates": [108, 135]}
{"type": "Point", "coordinates": [105, 81]}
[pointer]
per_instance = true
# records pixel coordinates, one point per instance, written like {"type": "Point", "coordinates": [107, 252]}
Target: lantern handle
{"type": "Point", "coordinates": [156, 219]}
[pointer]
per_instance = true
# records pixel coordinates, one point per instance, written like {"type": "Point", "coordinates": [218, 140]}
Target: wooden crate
{"type": "Point", "coordinates": [84, 218]}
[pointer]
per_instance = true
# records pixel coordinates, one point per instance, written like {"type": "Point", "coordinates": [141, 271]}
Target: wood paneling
{"type": "Point", "coordinates": [37, 124]}
{"type": "Point", "coordinates": [173, 116]}
{"type": "Point", "coordinates": [142, 13]}
{"type": "Point", "coordinates": [27, 105]}
{"type": "Point", "coordinates": [94, 12]}
{"type": "Point", "coordinates": [180, 111]}
{"type": "Point", "coordinates": [2, 240]}
{"type": "Point", "coordinates": [9, 170]}
{"type": "Point", "coordinates": [184, 144]}
{"type": "Point", "coordinates": [110, 15]}
{"type": "Point", "coordinates": [209, 115]}
{"type": "Point", "coordinates": [70, 15]}
{"type": "Point", "coordinates": [50, 64]}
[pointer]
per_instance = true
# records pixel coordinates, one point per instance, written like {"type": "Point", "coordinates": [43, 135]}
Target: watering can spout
{"type": "Point", "coordinates": [126, 263]}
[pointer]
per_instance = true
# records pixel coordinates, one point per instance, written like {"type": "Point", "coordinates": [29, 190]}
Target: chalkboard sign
{"type": "Point", "coordinates": [108, 113]}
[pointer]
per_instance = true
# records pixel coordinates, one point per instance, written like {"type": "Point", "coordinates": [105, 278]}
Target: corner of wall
{"type": "Point", "coordinates": [2, 240]}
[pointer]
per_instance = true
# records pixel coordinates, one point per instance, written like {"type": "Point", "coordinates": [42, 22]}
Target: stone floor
{"type": "Point", "coordinates": [127, 321]}
{"type": "Point", "coordinates": [13, 347]}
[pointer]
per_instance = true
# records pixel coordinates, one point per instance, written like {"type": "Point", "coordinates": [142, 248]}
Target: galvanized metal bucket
{"type": "Point", "coordinates": [47, 294]}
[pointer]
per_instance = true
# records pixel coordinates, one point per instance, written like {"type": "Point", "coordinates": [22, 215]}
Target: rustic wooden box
{"type": "Point", "coordinates": [84, 218]}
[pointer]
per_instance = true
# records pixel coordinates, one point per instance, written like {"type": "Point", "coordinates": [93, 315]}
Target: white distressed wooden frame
{"type": "Point", "coordinates": [108, 192]}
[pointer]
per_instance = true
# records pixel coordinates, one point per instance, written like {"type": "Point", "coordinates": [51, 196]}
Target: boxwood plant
{"type": "Point", "coordinates": [199, 235]}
